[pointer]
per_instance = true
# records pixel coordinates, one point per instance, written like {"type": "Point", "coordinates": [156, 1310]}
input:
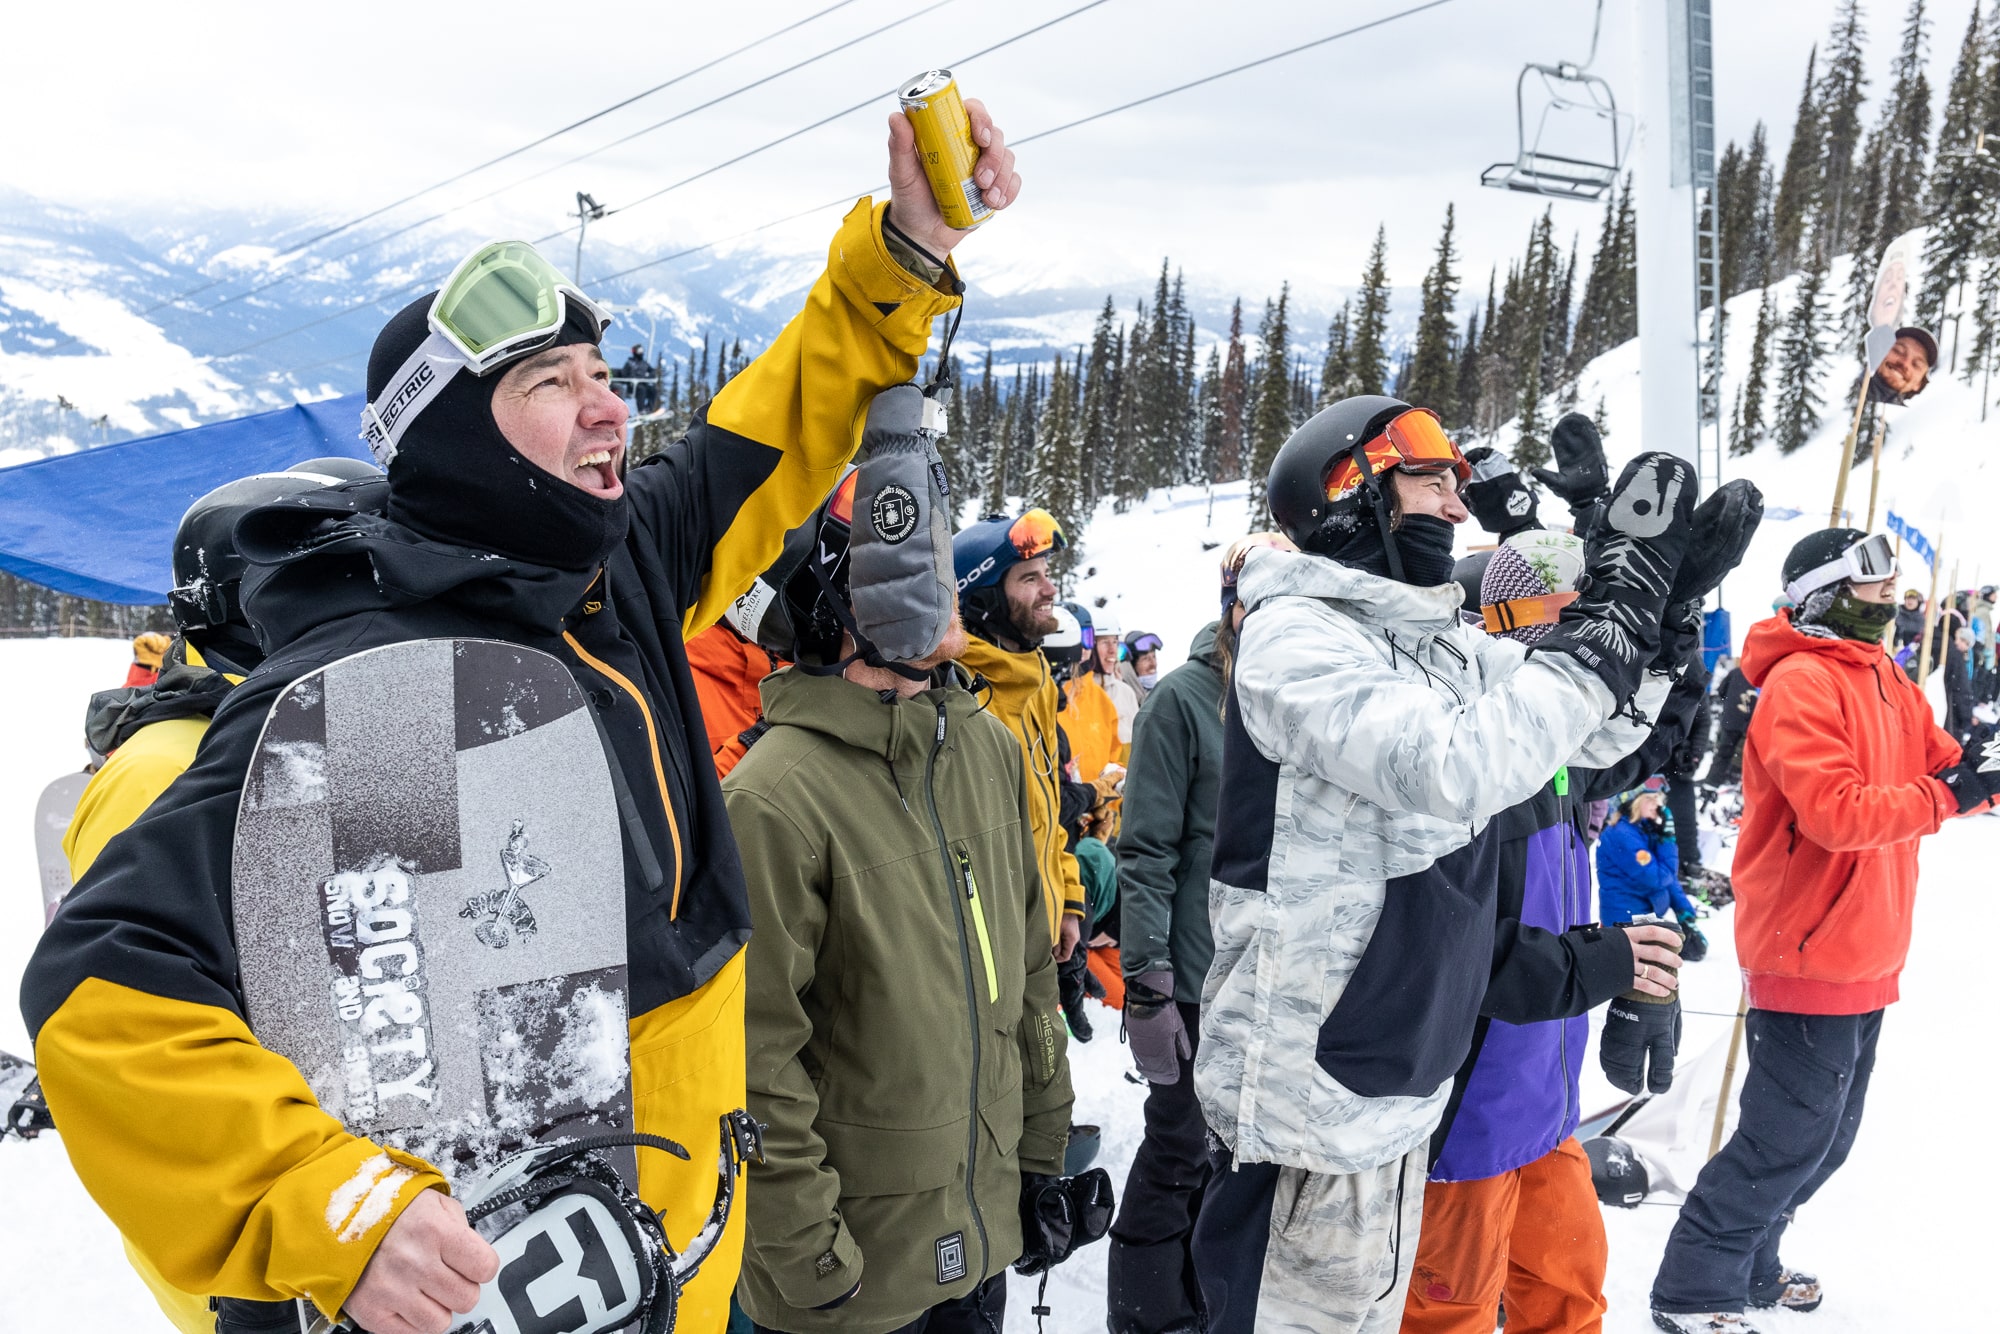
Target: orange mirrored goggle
{"type": "Point", "coordinates": [1036, 533]}
{"type": "Point", "coordinates": [1414, 442]}
{"type": "Point", "coordinates": [840, 505]}
{"type": "Point", "coordinates": [1517, 612]}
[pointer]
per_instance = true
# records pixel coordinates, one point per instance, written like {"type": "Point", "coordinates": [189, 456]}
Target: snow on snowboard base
{"type": "Point", "coordinates": [429, 899]}
{"type": "Point", "coordinates": [53, 813]}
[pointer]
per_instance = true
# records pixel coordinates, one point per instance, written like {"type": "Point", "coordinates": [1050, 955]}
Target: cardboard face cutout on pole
{"type": "Point", "coordinates": [1900, 356]}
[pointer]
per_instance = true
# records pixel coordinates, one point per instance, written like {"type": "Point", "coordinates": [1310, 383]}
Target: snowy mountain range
{"type": "Point", "coordinates": [116, 327]}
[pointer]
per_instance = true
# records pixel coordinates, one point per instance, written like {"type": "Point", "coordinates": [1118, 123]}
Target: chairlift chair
{"type": "Point", "coordinates": [1572, 96]}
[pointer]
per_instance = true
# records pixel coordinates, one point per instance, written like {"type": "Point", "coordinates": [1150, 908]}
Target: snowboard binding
{"type": "Point", "coordinates": [564, 1221]}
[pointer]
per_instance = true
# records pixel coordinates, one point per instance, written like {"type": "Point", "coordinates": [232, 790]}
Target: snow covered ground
{"type": "Point", "coordinates": [1900, 1236]}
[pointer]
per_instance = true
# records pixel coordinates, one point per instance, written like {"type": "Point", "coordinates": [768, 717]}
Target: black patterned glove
{"type": "Point", "coordinates": [1631, 556]}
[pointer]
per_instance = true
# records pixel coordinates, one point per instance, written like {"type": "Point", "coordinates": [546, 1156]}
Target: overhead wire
{"type": "Point", "coordinates": [461, 206]}
{"type": "Point", "coordinates": [309, 242]}
{"type": "Point", "coordinates": [1297, 49]}
{"type": "Point", "coordinates": [871, 100]}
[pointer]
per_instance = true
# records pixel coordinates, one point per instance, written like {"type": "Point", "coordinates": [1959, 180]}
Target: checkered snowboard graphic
{"type": "Point", "coordinates": [430, 901]}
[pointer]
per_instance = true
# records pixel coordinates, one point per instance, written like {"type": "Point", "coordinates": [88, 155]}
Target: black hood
{"type": "Point", "coordinates": [328, 554]}
{"type": "Point", "coordinates": [183, 691]}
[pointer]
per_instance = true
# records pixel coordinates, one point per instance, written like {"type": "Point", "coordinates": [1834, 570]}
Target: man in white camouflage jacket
{"type": "Point", "coordinates": [1369, 736]}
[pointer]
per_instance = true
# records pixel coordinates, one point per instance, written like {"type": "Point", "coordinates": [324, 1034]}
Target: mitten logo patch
{"type": "Point", "coordinates": [951, 1258]}
{"type": "Point", "coordinates": [1517, 504]}
{"type": "Point", "coordinates": [894, 513]}
{"type": "Point", "coordinates": [1989, 755]}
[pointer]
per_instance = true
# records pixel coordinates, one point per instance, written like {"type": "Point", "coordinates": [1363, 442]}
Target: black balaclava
{"type": "Point", "coordinates": [1423, 544]}
{"type": "Point", "coordinates": [456, 479]}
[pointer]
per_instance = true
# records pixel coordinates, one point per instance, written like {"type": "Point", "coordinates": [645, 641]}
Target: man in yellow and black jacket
{"type": "Point", "coordinates": [502, 516]}
{"type": "Point", "coordinates": [1008, 603]}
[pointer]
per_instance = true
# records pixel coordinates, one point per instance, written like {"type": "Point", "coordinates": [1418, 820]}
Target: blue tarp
{"type": "Point", "coordinates": [100, 523]}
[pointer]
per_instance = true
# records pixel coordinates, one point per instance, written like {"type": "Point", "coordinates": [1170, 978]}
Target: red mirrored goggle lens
{"type": "Point", "coordinates": [840, 505]}
{"type": "Point", "coordinates": [1415, 441]}
{"type": "Point", "coordinates": [1036, 533]}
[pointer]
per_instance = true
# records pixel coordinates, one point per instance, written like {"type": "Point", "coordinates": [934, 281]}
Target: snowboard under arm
{"type": "Point", "coordinates": [209, 1152]}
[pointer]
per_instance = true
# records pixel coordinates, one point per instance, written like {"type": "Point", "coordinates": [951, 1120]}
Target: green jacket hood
{"type": "Point", "coordinates": [900, 730]}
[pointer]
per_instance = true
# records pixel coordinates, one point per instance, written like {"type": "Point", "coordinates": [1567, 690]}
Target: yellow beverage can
{"type": "Point", "coordinates": [944, 143]}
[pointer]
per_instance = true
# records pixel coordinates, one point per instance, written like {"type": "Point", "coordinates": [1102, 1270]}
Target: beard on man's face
{"type": "Point", "coordinates": [1034, 618]}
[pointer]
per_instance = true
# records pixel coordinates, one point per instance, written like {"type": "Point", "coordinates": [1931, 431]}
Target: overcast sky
{"type": "Point", "coordinates": [282, 112]}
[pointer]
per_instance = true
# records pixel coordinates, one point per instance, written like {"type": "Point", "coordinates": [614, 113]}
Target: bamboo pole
{"type": "Point", "coordinates": [1728, 1073]}
{"type": "Point", "coordinates": [1875, 471]}
{"type": "Point", "coordinates": [1847, 458]}
{"type": "Point", "coordinates": [1930, 618]}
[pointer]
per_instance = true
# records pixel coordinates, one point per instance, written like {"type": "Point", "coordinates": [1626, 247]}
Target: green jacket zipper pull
{"type": "Point", "coordinates": [979, 925]}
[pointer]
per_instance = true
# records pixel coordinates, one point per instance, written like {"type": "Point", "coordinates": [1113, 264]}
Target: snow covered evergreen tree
{"type": "Point", "coordinates": [1271, 414]}
{"type": "Point", "coordinates": [1433, 366]}
{"type": "Point", "coordinates": [1336, 373]}
{"type": "Point", "coordinates": [1842, 86]}
{"type": "Point", "coordinates": [1232, 401]}
{"type": "Point", "coordinates": [1962, 197]}
{"type": "Point", "coordinates": [1098, 414]}
{"type": "Point", "coordinates": [1798, 184]}
{"type": "Point", "coordinates": [1803, 343]}
{"type": "Point", "coordinates": [1368, 348]}
{"type": "Point", "coordinates": [1055, 481]}
{"type": "Point", "coordinates": [1748, 428]}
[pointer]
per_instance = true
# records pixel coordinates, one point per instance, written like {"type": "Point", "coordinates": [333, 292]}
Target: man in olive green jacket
{"type": "Point", "coordinates": [904, 1045]}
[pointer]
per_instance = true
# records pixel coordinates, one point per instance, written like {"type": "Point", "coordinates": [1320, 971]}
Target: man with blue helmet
{"type": "Point", "coordinates": [1008, 603]}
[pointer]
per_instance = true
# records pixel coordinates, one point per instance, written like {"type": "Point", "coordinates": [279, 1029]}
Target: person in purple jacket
{"type": "Point", "coordinates": [1510, 1210]}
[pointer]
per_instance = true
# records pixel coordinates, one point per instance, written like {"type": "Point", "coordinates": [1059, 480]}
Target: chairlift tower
{"type": "Point", "coordinates": [1673, 162]}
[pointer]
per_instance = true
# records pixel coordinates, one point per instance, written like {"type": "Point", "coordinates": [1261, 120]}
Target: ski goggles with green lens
{"type": "Point", "coordinates": [1869, 561]}
{"type": "Point", "coordinates": [503, 302]}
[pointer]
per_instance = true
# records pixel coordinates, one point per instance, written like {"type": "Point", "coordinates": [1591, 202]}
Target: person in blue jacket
{"type": "Point", "coordinates": [1638, 861]}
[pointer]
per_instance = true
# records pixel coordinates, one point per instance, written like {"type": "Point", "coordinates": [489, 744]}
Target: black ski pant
{"type": "Point", "coordinates": [1801, 1107]}
{"type": "Point", "coordinates": [981, 1311]}
{"type": "Point", "coordinates": [1150, 1286]}
{"type": "Point", "coordinates": [1687, 830]}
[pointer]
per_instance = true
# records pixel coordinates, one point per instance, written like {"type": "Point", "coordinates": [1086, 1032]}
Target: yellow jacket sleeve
{"type": "Point", "coordinates": [716, 505]}
{"type": "Point", "coordinates": [208, 1151]}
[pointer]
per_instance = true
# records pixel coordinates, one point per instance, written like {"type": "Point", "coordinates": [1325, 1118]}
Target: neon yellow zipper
{"type": "Point", "coordinates": [979, 925]}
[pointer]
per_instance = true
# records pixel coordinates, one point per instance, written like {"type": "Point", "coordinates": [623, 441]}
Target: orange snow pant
{"type": "Point", "coordinates": [1533, 1236]}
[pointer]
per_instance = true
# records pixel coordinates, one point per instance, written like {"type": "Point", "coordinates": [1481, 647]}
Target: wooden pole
{"type": "Point", "coordinates": [1930, 618]}
{"type": "Point", "coordinates": [1728, 1074]}
{"type": "Point", "coordinates": [1847, 458]}
{"type": "Point", "coordinates": [1875, 470]}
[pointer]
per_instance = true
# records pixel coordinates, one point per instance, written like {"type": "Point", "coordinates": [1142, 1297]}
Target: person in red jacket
{"type": "Point", "coordinates": [1844, 769]}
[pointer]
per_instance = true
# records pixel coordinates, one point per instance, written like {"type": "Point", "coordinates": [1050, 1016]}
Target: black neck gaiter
{"type": "Point", "coordinates": [1423, 543]}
